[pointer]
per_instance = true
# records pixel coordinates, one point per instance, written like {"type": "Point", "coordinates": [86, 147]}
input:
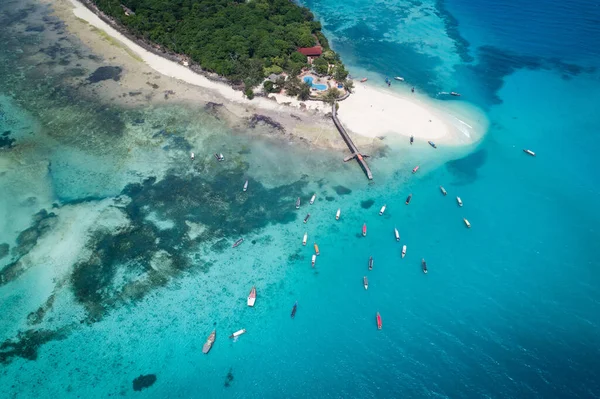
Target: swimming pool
{"type": "Point", "coordinates": [309, 80]}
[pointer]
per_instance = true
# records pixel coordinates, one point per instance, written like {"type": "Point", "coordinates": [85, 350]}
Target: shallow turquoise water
{"type": "Point", "coordinates": [509, 308]}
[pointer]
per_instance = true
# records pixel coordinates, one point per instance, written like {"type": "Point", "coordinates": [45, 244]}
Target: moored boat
{"type": "Point", "coordinates": [298, 203]}
{"type": "Point", "coordinates": [219, 157]}
{"type": "Point", "coordinates": [467, 223]}
{"type": "Point", "coordinates": [529, 152]}
{"type": "Point", "coordinates": [370, 263]}
{"type": "Point", "coordinates": [252, 297]}
{"type": "Point", "coordinates": [366, 282]}
{"type": "Point", "coordinates": [337, 214]}
{"type": "Point", "coordinates": [379, 323]}
{"type": "Point", "coordinates": [364, 79]}
{"type": "Point", "coordinates": [455, 94]}
{"type": "Point", "coordinates": [364, 230]}
{"type": "Point", "coordinates": [238, 242]}
{"type": "Point", "coordinates": [431, 143]}
{"type": "Point", "coordinates": [403, 251]}
{"type": "Point", "coordinates": [415, 169]}
{"type": "Point", "coordinates": [192, 156]}
{"type": "Point", "coordinates": [294, 309]}
{"type": "Point", "coordinates": [424, 266]}
{"type": "Point", "coordinates": [238, 333]}
{"type": "Point", "coordinates": [408, 199]}
{"type": "Point", "coordinates": [209, 342]}
{"type": "Point", "coordinates": [412, 138]}
{"type": "Point", "coordinates": [246, 186]}
{"type": "Point", "coordinates": [306, 218]}
{"type": "Point", "coordinates": [314, 259]}
{"type": "Point", "coordinates": [443, 190]}
{"type": "Point", "coordinates": [317, 249]}
{"type": "Point", "coordinates": [312, 200]}
{"type": "Point", "coordinates": [382, 210]}
{"type": "Point", "coordinates": [305, 238]}
{"type": "Point", "coordinates": [399, 78]}
{"type": "Point", "coordinates": [459, 201]}
{"type": "Point", "coordinates": [396, 234]}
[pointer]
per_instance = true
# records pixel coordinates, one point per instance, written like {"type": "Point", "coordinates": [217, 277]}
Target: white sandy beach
{"type": "Point", "coordinates": [369, 111]}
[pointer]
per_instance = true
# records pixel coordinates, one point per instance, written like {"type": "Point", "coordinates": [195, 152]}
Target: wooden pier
{"type": "Point", "coordinates": [355, 153]}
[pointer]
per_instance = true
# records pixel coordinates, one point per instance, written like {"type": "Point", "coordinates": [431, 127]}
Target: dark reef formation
{"type": "Point", "coordinates": [26, 344]}
{"type": "Point", "coordinates": [105, 73]}
{"type": "Point", "coordinates": [256, 119]}
{"type": "Point", "coordinates": [144, 381]}
{"type": "Point", "coordinates": [367, 203]}
{"type": "Point", "coordinates": [341, 190]}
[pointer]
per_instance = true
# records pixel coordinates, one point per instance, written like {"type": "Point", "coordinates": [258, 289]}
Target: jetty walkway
{"type": "Point", "coordinates": [355, 153]}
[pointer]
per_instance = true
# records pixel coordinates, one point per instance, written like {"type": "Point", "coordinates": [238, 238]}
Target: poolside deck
{"type": "Point", "coordinates": [355, 153]}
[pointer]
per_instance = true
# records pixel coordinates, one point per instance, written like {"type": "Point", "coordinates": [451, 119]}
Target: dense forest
{"type": "Point", "coordinates": [241, 40]}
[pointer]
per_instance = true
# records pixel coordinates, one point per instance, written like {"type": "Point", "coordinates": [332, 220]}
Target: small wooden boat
{"type": "Point", "coordinates": [238, 333]}
{"type": "Point", "coordinates": [403, 251]}
{"type": "Point", "coordinates": [209, 342]}
{"type": "Point", "coordinates": [246, 186]}
{"type": "Point", "coordinates": [317, 249]}
{"type": "Point", "coordinates": [431, 143]}
{"type": "Point", "coordinates": [365, 282]}
{"type": "Point", "coordinates": [192, 156]}
{"type": "Point", "coordinates": [459, 201]}
{"type": "Point", "coordinates": [312, 200]}
{"type": "Point", "coordinates": [306, 218]}
{"type": "Point", "coordinates": [294, 309]}
{"type": "Point", "coordinates": [364, 230]}
{"type": "Point", "coordinates": [529, 152]}
{"type": "Point", "coordinates": [219, 157]}
{"type": "Point", "coordinates": [443, 190]}
{"type": "Point", "coordinates": [412, 139]}
{"type": "Point", "coordinates": [455, 94]}
{"type": "Point", "coordinates": [298, 203]}
{"type": "Point", "coordinates": [396, 234]}
{"type": "Point", "coordinates": [467, 223]}
{"type": "Point", "coordinates": [337, 214]}
{"type": "Point", "coordinates": [408, 199]}
{"type": "Point", "coordinates": [252, 297]}
{"type": "Point", "coordinates": [399, 78]}
{"type": "Point", "coordinates": [378, 318]}
{"type": "Point", "coordinates": [364, 79]}
{"type": "Point", "coordinates": [314, 259]}
{"type": "Point", "coordinates": [415, 169]}
{"type": "Point", "coordinates": [305, 238]}
{"type": "Point", "coordinates": [238, 242]}
{"type": "Point", "coordinates": [382, 210]}
{"type": "Point", "coordinates": [370, 263]}
{"type": "Point", "coordinates": [424, 266]}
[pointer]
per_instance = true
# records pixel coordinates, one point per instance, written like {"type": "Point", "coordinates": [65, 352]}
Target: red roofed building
{"type": "Point", "coordinates": [311, 52]}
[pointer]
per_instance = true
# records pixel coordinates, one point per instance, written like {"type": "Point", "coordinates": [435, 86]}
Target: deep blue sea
{"type": "Point", "coordinates": [510, 308]}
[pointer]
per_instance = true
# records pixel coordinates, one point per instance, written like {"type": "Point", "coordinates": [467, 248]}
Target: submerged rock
{"type": "Point", "coordinates": [367, 204]}
{"type": "Point", "coordinates": [144, 381]}
{"type": "Point", "coordinates": [105, 73]}
{"type": "Point", "coordinates": [256, 119]}
{"type": "Point", "coordinates": [341, 190]}
{"type": "Point", "coordinates": [4, 247]}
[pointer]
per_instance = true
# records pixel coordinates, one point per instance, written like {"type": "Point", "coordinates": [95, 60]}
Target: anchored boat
{"type": "Point", "coordinates": [412, 138]}
{"type": "Point", "coordinates": [192, 156]}
{"type": "Point", "coordinates": [238, 333]}
{"type": "Point", "coordinates": [317, 249]}
{"type": "Point", "coordinates": [396, 234]}
{"type": "Point", "coordinates": [365, 282]}
{"type": "Point", "coordinates": [467, 223]}
{"type": "Point", "coordinates": [306, 218]}
{"type": "Point", "coordinates": [370, 263]}
{"type": "Point", "coordinates": [246, 186]}
{"type": "Point", "coordinates": [443, 190]}
{"type": "Point", "coordinates": [364, 80]}
{"type": "Point", "coordinates": [378, 318]}
{"type": "Point", "coordinates": [408, 199]}
{"type": "Point", "coordinates": [238, 242]}
{"type": "Point", "coordinates": [294, 309]}
{"type": "Point", "coordinates": [209, 342]}
{"type": "Point", "coordinates": [298, 203]}
{"type": "Point", "coordinates": [459, 201]}
{"type": "Point", "coordinates": [382, 210]}
{"type": "Point", "coordinates": [529, 152]}
{"type": "Point", "coordinates": [364, 230]}
{"type": "Point", "coordinates": [455, 94]}
{"type": "Point", "coordinates": [314, 259]}
{"type": "Point", "coordinates": [403, 251]}
{"type": "Point", "coordinates": [252, 297]}
{"type": "Point", "coordinates": [424, 266]}
{"type": "Point", "coordinates": [399, 78]}
{"type": "Point", "coordinates": [219, 157]}
{"type": "Point", "coordinates": [337, 214]}
{"type": "Point", "coordinates": [415, 169]}
{"type": "Point", "coordinates": [431, 143]}
{"type": "Point", "coordinates": [312, 200]}
{"type": "Point", "coordinates": [305, 238]}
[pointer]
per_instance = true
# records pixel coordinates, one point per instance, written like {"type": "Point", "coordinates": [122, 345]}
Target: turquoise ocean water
{"type": "Point", "coordinates": [130, 267]}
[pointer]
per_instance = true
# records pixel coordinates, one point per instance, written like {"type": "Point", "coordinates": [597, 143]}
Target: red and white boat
{"type": "Point", "coordinates": [378, 321]}
{"type": "Point", "coordinates": [364, 80]}
{"type": "Point", "coordinates": [252, 297]}
{"type": "Point", "coordinates": [415, 169]}
{"type": "Point", "coordinates": [364, 230]}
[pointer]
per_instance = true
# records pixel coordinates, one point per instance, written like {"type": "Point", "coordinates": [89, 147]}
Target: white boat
{"type": "Point", "coordinates": [312, 200]}
{"type": "Point", "coordinates": [238, 333]}
{"type": "Point", "coordinates": [529, 152]}
{"type": "Point", "coordinates": [403, 251]}
{"type": "Point", "coordinates": [219, 157]}
{"type": "Point", "coordinates": [401, 79]}
{"type": "Point", "coordinates": [252, 297]}
{"type": "Point", "coordinates": [337, 214]}
{"type": "Point", "coordinates": [382, 210]}
{"type": "Point", "coordinates": [314, 259]}
{"type": "Point", "coordinates": [192, 156]}
{"type": "Point", "coordinates": [246, 185]}
{"type": "Point", "coordinates": [305, 238]}
{"type": "Point", "coordinates": [443, 190]}
{"type": "Point", "coordinates": [459, 201]}
{"type": "Point", "coordinates": [396, 234]}
{"type": "Point", "coordinates": [467, 223]}
{"type": "Point", "coordinates": [298, 203]}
